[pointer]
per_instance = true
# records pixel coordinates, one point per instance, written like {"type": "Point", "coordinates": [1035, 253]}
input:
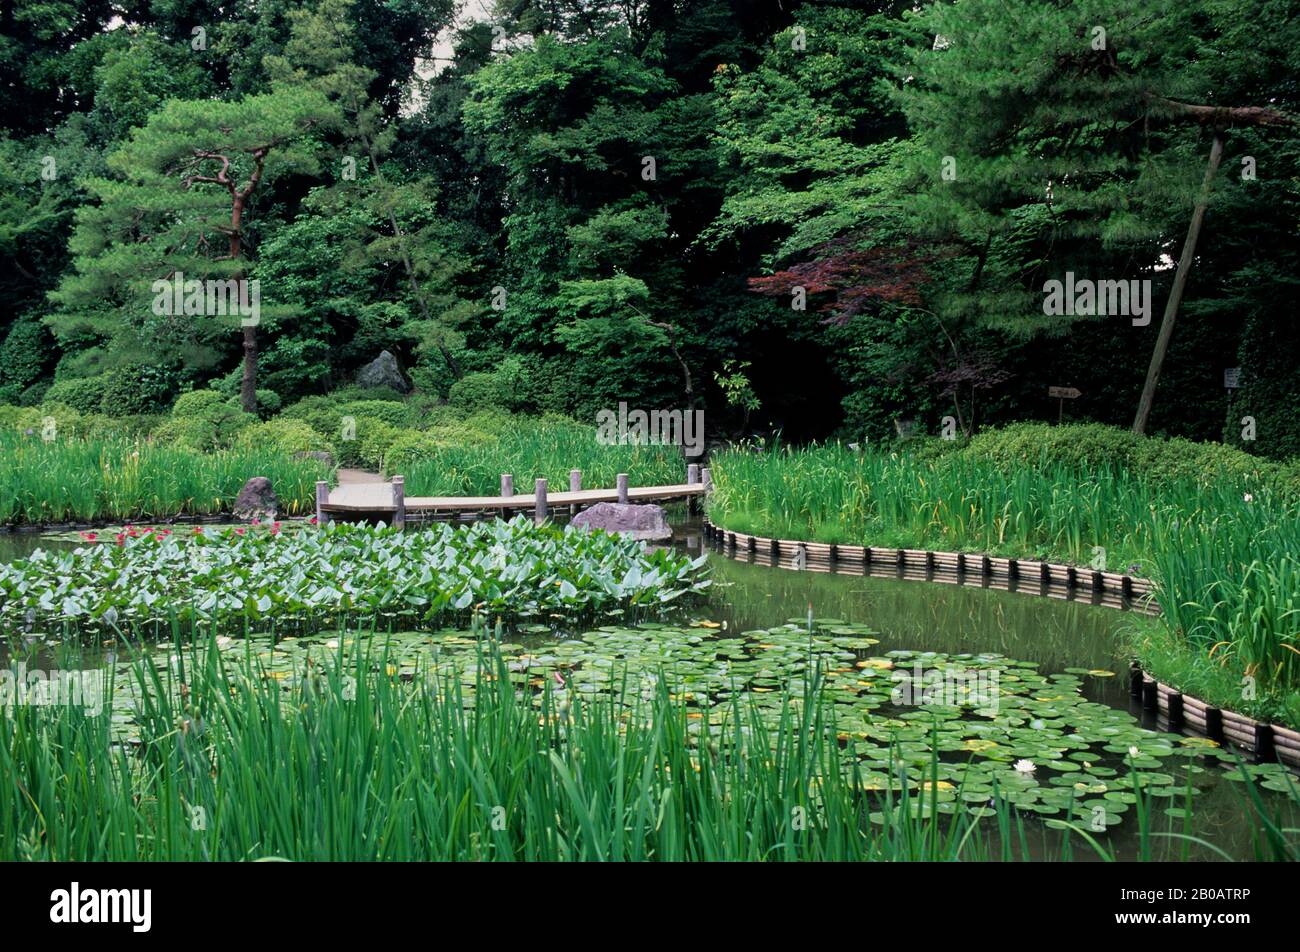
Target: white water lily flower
{"type": "Point", "coordinates": [1024, 766]}
{"type": "Point", "coordinates": [1133, 751]}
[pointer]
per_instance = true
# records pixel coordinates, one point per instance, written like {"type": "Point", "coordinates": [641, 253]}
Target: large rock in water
{"type": "Point", "coordinates": [382, 372]}
{"type": "Point", "coordinates": [641, 522]}
{"type": "Point", "coordinates": [257, 500]}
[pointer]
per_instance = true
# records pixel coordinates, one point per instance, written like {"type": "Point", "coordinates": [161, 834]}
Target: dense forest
{"type": "Point", "coordinates": [824, 219]}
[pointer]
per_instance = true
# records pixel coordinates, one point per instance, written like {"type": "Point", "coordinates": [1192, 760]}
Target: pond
{"type": "Point", "coordinates": [1061, 660]}
{"type": "Point", "coordinates": [1056, 634]}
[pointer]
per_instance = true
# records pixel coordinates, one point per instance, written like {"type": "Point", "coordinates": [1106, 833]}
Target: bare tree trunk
{"type": "Point", "coordinates": [1176, 292]}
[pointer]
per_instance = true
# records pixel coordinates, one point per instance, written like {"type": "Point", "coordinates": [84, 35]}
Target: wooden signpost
{"type": "Point", "coordinates": [1062, 394]}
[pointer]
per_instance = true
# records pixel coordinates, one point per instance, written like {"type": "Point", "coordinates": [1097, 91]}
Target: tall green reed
{"type": "Point", "coordinates": [541, 450]}
{"type": "Point", "coordinates": [117, 479]}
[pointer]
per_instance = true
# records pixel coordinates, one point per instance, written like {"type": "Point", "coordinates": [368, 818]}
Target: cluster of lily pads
{"type": "Point", "coordinates": [418, 577]}
{"type": "Point", "coordinates": [1025, 738]}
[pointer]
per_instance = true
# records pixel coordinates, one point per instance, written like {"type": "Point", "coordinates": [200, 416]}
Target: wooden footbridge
{"type": "Point", "coordinates": [388, 500]}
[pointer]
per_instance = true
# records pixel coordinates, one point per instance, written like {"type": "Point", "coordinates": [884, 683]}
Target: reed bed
{"type": "Point", "coordinates": [354, 765]}
{"type": "Point", "coordinates": [1223, 551]}
{"type": "Point", "coordinates": [543, 450]}
{"type": "Point", "coordinates": [114, 480]}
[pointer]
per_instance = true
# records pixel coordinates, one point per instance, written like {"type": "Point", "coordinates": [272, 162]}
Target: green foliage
{"type": "Point", "coordinates": [1095, 446]}
{"type": "Point", "coordinates": [431, 576]}
{"type": "Point", "coordinates": [24, 354]}
{"type": "Point", "coordinates": [139, 388]}
{"type": "Point", "coordinates": [84, 394]}
{"type": "Point", "coordinates": [167, 208]}
{"type": "Point", "coordinates": [285, 436]}
{"type": "Point", "coordinates": [192, 433]}
{"type": "Point", "coordinates": [471, 458]}
{"type": "Point", "coordinates": [476, 391]}
{"type": "Point", "coordinates": [73, 479]}
{"type": "Point", "coordinates": [322, 414]}
{"type": "Point", "coordinates": [203, 420]}
{"type": "Point", "coordinates": [392, 412]}
{"type": "Point", "coordinates": [809, 141]}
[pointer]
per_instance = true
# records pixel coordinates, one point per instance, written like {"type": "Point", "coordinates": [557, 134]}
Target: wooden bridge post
{"type": "Point", "coordinates": [620, 483]}
{"type": "Point", "coordinates": [575, 485]}
{"type": "Point", "coordinates": [322, 498]}
{"type": "Point", "coordinates": [707, 479]}
{"type": "Point", "coordinates": [539, 505]}
{"type": "Point", "coordinates": [399, 502]}
{"type": "Point", "coordinates": [507, 489]}
{"type": "Point", "coordinates": [692, 477]}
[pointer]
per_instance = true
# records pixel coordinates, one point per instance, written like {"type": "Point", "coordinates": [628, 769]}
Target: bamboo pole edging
{"type": "Point", "coordinates": [1267, 741]}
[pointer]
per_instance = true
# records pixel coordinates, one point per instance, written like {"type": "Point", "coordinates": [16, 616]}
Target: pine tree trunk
{"type": "Point", "coordinates": [1176, 292]}
{"type": "Point", "coordinates": [248, 383]}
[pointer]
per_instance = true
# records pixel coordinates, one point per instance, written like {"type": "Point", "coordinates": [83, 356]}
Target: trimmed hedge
{"type": "Point", "coordinates": [1092, 445]}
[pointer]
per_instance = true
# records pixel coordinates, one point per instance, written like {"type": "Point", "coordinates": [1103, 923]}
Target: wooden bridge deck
{"type": "Point", "coordinates": [381, 499]}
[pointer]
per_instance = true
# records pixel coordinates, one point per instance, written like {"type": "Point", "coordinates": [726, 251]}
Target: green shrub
{"type": "Point", "coordinates": [197, 403]}
{"type": "Point", "coordinates": [9, 415]}
{"type": "Point", "coordinates": [1040, 444]}
{"type": "Point", "coordinates": [83, 394]}
{"type": "Point", "coordinates": [474, 391]}
{"type": "Point", "coordinates": [409, 446]}
{"type": "Point", "coordinates": [284, 435]}
{"type": "Point", "coordinates": [35, 394]}
{"type": "Point", "coordinates": [24, 352]}
{"type": "Point", "coordinates": [932, 447]}
{"type": "Point", "coordinates": [218, 419]}
{"type": "Point", "coordinates": [374, 439]}
{"type": "Point", "coordinates": [347, 394]}
{"type": "Point", "coordinates": [322, 414]}
{"type": "Point", "coordinates": [67, 421]}
{"type": "Point", "coordinates": [496, 421]}
{"type": "Point", "coordinates": [1094, 446]}
{"type": "Point", "coordinates": [431, 376]}
{"type": "Point", "coordinates": [138, 388]}
{"type": "Point", "coordinates": [268, 403]}
{"type": "Point", "coordinates": [391, 412]}
{"type": "Point", "coordinates": [459, 434]}
{"type": "Point", "coordinates": [1183, 459]}
{"type": "Point", "coordinates": [193, 433]}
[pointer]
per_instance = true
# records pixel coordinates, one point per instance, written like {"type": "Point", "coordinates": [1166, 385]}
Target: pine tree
{"type": "Point", "coordinates": [179, 204]}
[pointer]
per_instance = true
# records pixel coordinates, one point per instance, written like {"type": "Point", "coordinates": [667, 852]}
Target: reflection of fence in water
{"type": "Point", "coordinates": [1109, 589]}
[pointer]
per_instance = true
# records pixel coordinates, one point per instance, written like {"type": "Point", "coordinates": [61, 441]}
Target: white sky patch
{"type": "Point", "coordinates": [471, 11]}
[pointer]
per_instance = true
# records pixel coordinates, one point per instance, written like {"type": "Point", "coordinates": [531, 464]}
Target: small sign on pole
{"type": "Point", "coordinates": [1062, 394]}
{"type": "Point", "coordinates": [1231, 378]}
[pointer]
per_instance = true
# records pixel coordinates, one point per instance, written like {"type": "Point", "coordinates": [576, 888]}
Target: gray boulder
{"type": "Point", "coordinates": [382, 372]}
{"type": "Point", "coordinates": [257, 500]}
{"type": "Point", "coordinates": [641, 522]}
